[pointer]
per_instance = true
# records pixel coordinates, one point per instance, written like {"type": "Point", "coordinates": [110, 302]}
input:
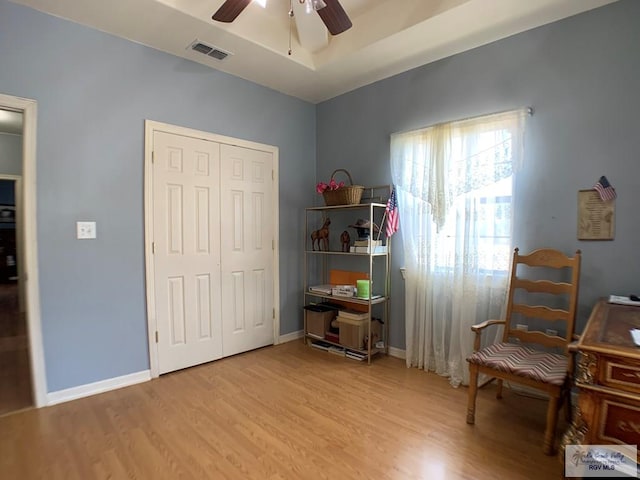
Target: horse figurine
{"type": "Point", "coordinates": [321, 236]}
{"type": "Point", "coordinates": [345, 240]}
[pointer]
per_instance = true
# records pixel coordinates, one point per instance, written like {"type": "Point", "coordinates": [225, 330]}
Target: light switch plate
{"type": "Point", "coordinates": [86, 230]}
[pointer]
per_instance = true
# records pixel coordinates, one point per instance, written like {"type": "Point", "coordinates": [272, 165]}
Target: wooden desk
{"type": "Point", "coordinates": [608, 379]}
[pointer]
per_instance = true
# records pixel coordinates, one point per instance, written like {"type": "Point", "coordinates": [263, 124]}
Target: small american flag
{"type": "Point", "coordinates": [392, 214]}
{"type": "Point", "coordinates": [604, 189]}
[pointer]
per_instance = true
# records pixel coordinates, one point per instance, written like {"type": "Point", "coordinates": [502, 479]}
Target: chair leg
{"type": "Point", "coordinates": [568, 410]}
{"type": "Point", "coordinates": [552, 420]}
{"type": "Point", "coordinates": [473, 392]}
{"type": "Point", "coordinates": [499, 391]}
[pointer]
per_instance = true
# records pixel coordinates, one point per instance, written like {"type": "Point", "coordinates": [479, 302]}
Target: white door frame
{"type": "Point", "coordinates": [150, 127]}
{"type": "Point", "coordinates": [36, 349]}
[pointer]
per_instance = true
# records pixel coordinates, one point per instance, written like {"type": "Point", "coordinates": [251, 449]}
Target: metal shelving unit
{"type": "Point", "coordinates": [317, 264]}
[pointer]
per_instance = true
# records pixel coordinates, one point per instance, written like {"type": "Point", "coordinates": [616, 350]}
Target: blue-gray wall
{"type": "Point", "coordinates": [10, 154]}
{"type": "Point", "coordinates": [94, 92]}
{"type": "Point", "coordinates": [582, 77]}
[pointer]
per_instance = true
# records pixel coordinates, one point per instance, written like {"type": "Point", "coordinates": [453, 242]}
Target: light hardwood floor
{"type": "Point", "coordinates": [284, 412]}
{"type": "Point", "coordinates": [15, 373]}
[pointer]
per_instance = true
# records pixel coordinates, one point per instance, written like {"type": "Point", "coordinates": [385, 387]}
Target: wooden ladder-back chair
{"type": "Point", "coordinates": [538, 359]}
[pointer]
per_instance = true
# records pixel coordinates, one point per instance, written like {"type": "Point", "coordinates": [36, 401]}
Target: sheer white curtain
{"type": "Point", "coordinates": [454, 197]}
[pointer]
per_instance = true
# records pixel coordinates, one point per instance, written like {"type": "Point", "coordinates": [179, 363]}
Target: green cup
{"type": "Point", "coordinates": [362, 288]}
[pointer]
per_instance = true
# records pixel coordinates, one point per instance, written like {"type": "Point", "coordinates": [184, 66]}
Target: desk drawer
{"type": "Point", "coordinates": [610, 418]}
{"type": "Point", "coordinates": [620, 422]}
{"type": "Point", "coordinates": [619, 374]}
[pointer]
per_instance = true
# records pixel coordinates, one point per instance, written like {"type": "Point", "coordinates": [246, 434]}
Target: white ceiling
{"type": "Point", "coordinates": [387, 37]}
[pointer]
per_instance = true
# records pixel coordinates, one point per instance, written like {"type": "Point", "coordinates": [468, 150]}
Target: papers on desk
{"type": "Point", "coordinates": [620, 300]}
{"type": "Point", "coordinates": [635, 334]}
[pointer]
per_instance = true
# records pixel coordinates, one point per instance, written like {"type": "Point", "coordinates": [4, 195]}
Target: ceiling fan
{"type": "Point", "coordinates": [330, 11]}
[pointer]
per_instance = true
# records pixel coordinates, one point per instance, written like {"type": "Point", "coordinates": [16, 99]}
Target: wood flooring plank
{"type": "Point", "coordinates": [281, 413]}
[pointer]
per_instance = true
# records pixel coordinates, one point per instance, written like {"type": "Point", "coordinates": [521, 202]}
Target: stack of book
{"type": "Point", "coordinates": [353, 314]}
{"type": "Point", "coordinates": [323, 289]}
{"type": "Point", "coordinates": [340, 351]}
{"type": "Point", "coordinates": [368, 246]}
{"type": "Point", "coordinates": [321, 345]}
{"type": "Point", "coordinates": [343, 291]}
{"type": "Point", "coordinates": [367, 243]}
{"type": "Point", "coordinates": [352, 354]}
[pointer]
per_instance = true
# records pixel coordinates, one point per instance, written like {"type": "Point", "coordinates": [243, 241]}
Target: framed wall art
{"type": "Point", "coordinates": [596, 217]}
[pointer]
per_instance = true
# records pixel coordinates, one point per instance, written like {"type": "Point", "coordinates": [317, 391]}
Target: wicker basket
{"type": "Point", "coordinates": [347, 195]}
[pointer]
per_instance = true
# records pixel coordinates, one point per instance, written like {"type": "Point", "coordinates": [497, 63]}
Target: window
{"type": "Point", "coordinates": [492, 206]}
{"type": "Point", "coordinates": [454, 185]}
{"type": "Point", "coordinates": [462, 173]}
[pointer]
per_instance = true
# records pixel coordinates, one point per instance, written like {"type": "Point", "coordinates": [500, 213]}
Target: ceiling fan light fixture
{"type": "Point", "coordinates": [330, 11]}
{"type": "Point", "coordinates": [313, 5]}
{"type": "Point", "coordinates": [318, 4]}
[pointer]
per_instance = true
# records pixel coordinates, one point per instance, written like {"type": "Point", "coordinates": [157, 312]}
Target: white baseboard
{"type": "Point", "coordinates": [289, 337]}
{"type": "Point", "coordinates": [397, 352]}
{"type": "Point", "coordinates": [102, 386]}
{"type": "Point", "coordinates": [97, 387]}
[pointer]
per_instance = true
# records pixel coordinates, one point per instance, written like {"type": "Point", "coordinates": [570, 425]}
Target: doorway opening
{"type": "Point", "coordinates": [16, 391]}
{"type": "Point", "coordinates": [22, 369]}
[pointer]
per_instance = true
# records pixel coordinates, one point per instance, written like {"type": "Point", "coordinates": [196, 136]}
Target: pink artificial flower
{"type": "Point", "coordinates": [321, 187]}
{"type": "Point", "coordinates": [333, 185]}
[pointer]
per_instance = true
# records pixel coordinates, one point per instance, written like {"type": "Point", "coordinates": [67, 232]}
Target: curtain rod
{"type": "Point", "coordinates": [530, 111]}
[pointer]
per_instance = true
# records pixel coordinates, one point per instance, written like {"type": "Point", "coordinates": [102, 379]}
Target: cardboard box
{"type": "Point", "coordinates": [353, 332]}
{"type": "Point", "coordinates": [318, 319]}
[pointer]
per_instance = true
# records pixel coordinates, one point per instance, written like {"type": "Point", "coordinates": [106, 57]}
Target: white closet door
{"type": "Point", "coordinates": [248, 252]}
{"type": "Point", "coordinates": [186, 219]}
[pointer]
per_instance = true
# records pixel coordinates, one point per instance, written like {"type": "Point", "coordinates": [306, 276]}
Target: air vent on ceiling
{"type": "Point", "coordinates": [208, 50]}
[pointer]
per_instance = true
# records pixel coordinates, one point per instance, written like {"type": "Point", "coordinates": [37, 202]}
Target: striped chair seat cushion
{"type": "Point", "coordinates": [523, 361]}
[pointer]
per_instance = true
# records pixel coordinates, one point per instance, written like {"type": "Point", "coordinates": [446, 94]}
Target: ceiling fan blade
{"type": "Point", "coordinates": [334, 17]}
{"type": "Point", "coordinates": [230, 9]}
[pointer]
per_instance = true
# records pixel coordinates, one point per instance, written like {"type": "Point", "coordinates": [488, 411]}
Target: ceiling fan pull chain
{"type": "Point", "coordinates": [291, 22]}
